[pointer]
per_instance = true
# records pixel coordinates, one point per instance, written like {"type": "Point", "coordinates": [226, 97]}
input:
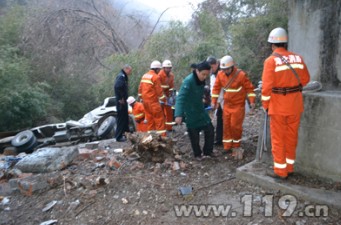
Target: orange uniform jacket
{"type": "Point", "coordinates": [150, 88]}
{"type": "Point", "coordinates": [238, 90]}
{"type": "Point", "coordinates": [139, 115]}
{"type": "Point", "coordinates": [152, 94]}
{"type": "Point", "coordinates": [277, 74]}
{"type": "Point", "coordinates": [167, 84]}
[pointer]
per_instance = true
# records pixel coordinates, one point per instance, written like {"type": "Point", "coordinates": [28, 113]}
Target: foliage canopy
{"type": "Point", "coordinates": [60, 60]}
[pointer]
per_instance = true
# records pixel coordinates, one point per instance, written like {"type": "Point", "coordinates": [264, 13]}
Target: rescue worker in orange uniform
{"type": "Point", "coordinates": [282, 99]}
{"type": "Point", "coordinates": [237, 87]}
{"type": "Point", "coordinates": [138, 113]}
{"type": "Point", "coordinates": [167, 84]}
{"type": "Point", "coordinates": [151, 94]}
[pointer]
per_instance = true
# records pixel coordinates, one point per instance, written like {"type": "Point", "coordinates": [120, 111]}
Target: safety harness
{"type": "Point", "coordinates": [287, 90]}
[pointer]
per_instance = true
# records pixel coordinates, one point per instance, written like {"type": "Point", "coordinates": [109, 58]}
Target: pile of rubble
{"type": "Point", "coordinates": [29, 173]}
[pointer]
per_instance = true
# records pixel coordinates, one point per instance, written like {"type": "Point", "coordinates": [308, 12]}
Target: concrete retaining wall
{"type": "Point", "coordinates": [319, 147]}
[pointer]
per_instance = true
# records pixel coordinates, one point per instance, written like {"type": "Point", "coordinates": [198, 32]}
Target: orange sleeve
{"type": "Point", "coordinates": [158, 88]}
{"type": "Point", "coordinates": [171, 82]}
{"type": "Point", "coordinates": [268, 80]}
{"type": "Point", "coordinates": [249, 89]}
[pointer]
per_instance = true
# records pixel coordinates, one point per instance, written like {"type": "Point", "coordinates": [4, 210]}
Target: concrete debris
{"type": "Point", "coordinates": [92, 145]}
{"type": "Point", "coordinates": [113, 163]}
{"type": "Point", "coordinates": [118, 150]}
{"type": "Point", "coordinates": [176, 166]}
{"type": "Point", "coordinates": [49, 206]}
{"type": "Point", "coordinates": [48, 159]}
{"type": "Point", "coordinates": [4, 200]}
{"type": "Point", "coordinates": [49, 222]}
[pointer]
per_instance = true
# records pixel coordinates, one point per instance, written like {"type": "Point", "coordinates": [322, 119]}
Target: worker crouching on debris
{"type": "Point", "coordinates": [189, 104]}
{"type": "Point", "coordinates": [284, 75]}
{"type": "Point", "coordinates": [138, 113]}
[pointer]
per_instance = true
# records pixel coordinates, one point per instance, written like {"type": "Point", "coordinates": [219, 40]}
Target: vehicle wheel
{"type": "Point", "coordinates": [30, 148]}
{"type": "Point", "coordinates": [106, 127]}
{"type": "Point", "coordinates": [23, 138]}
{"type": "Point", "coordinates": [24, 141]}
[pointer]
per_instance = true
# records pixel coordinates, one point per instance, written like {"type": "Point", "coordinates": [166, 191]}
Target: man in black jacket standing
{"type": "Point", "coordinates": [121, 93]}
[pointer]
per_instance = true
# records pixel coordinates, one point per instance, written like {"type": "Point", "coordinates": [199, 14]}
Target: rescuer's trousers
{"type": "Point", "coordinates": [155, 117]}
{"type": "Point", "coordinates": [284, 137]}
{"type": "Point", "coordinates": [168, 112]}
{"type": "Point", "coordinates": [233, 118]}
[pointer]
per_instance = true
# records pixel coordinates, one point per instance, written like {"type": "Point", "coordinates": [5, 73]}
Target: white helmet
{"type": "Point", "coordinates": [226, 62]}
{"type": "Point", "coordinates": [278, 35]}
{"type": "Point", "coordinates": [131, 100]}
{"type": "Point", "coordinates": [167, 63]}
{"type": "Point", "coordinates": [155, 65]}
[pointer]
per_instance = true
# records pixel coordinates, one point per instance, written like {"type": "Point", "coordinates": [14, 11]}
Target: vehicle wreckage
{"type": "Point", "coordinates": [100, 123]}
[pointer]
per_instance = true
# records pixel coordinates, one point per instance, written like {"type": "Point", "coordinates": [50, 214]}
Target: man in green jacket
{"type": "Point", "coordinates": [189, 104]}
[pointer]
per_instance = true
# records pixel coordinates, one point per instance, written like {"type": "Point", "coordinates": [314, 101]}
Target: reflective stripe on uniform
{"type": "Point", "coordinates": [214, 96]}
{"type": "Point", "coordinates": [290, 161]}
{"type": "Point", "coordinates": [265, 98]}
{"type": "Point", "coordinates": [251, 95]}
{"type": "Point", "coordinates": [139, 115]}
{"type": "Point", "coordinates": [237, 141]}
{"type": "Point", "coordinates": [156, 131]}
{"type": "Point", "coordinates": [147, 81]}
{"type": "Point", "coordinates": [165, 86]}
{"type": "Point", "coordinates": [228, 141]}
{"type": "Point", "coordinates": [162, 97]}
{"type": "Point", "coordinates": [161, 131]}
{"type": "Point", "coordinates": [285, 67]}
{"type": "Point", "coordinates": [233, 90]}
{"type": "Point", "coordinates": [280, 166]}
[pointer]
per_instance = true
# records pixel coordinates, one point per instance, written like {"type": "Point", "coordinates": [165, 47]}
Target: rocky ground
{"type": "Point", "coordinates": [102, 186]}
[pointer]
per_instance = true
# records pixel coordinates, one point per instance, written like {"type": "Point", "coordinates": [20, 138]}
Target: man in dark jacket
{"type": "Point", "coordinates": [189, 104]}
{"type": "Point", "coordinates": [121, 93]}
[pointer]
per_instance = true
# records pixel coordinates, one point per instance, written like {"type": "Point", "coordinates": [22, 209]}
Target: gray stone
{"type": "Point", "coordinates": [47, 160]}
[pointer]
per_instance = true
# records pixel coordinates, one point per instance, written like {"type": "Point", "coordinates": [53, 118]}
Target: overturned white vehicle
{"type": "Point", "coordinates": [99, 123]}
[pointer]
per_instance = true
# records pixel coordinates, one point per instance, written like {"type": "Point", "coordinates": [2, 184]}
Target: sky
{"type": "Point", "coordinates": [177, 9]}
